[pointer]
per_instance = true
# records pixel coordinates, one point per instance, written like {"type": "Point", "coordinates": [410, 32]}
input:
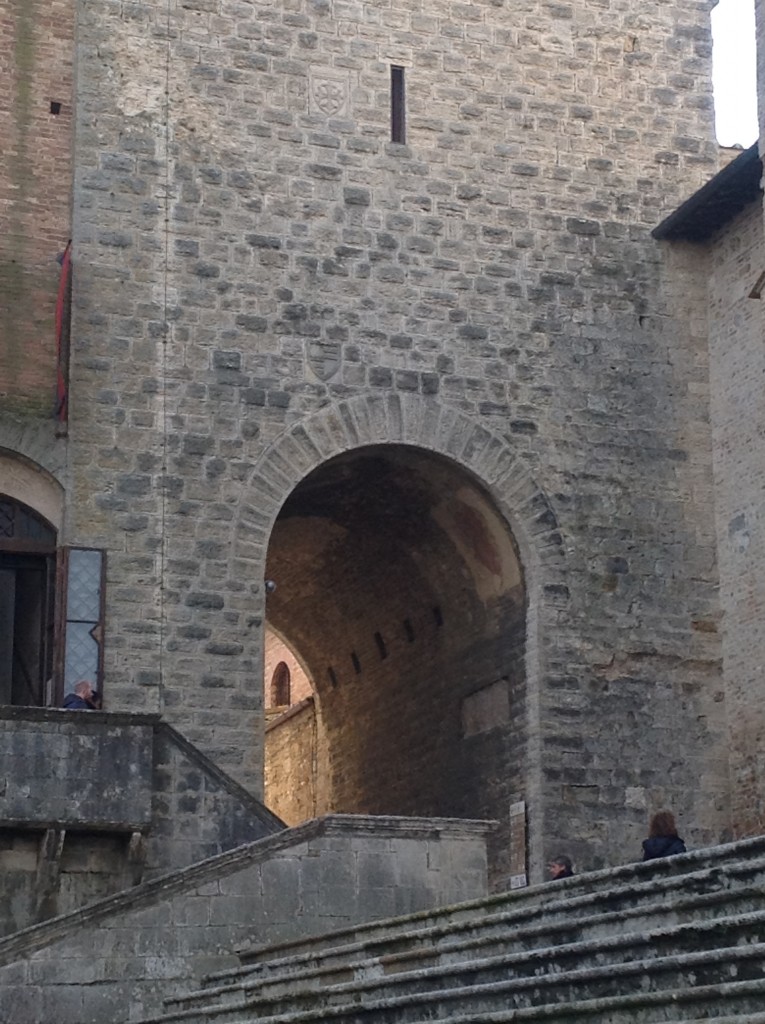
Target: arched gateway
{"type": "Point", "coordinates": [410, 547]}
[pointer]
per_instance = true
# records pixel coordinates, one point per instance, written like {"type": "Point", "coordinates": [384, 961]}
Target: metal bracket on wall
{"type": "Point", "coordinates": [759, 287]}
{"type": "Point", "coordinates": [48, 872]}
{"type": "Point", "coordinates": [136, 857]}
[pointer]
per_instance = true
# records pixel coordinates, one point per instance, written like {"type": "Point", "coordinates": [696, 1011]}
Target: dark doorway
{"type": "Point", "coordinates": [27, 586]}
{"type": "Point", "coordinates": [399, 584]}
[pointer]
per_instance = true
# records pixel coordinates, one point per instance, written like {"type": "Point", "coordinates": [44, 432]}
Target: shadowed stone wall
{"type": "Point", "coordinates": [736, 258]}
{"type": "Point", "coordinates": [759, 13]}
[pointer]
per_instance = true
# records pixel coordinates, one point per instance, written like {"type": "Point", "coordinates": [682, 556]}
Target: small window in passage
{"type": "Point", "coordinates": [280, 685]}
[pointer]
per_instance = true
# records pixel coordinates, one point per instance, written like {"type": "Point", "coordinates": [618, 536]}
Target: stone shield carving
{"type": "Point", "coordinates": [324, 358]}
{"type": "Point", "coordinates": [329, 96]}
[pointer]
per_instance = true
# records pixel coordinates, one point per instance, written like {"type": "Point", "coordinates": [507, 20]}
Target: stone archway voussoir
{"type": "Point", "coordinates": [455, 441]}
{"type": "Point", "coordinates": [371, 420]}
{"type": "Point", "coordinates": [477, 443]}
{"type": "Point", "coordinates": [267, 488]}
{"type": "Point", "coordinates": [326, 432]}
{"type": "Point", "coordinates": [279, 474]}
{"type": "Point", "coordinates": [423, 422]}
{"type": "Point", "coordinates": [299, 458]}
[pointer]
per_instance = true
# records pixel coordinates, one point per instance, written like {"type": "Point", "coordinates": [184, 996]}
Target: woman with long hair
{"type": "Point", "coordinates": [663, 840]}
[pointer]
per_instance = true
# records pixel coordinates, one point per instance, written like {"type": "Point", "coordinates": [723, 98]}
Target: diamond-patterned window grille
{"type": "Point", "coordinates": [33, 528]}
{"type": "Point", "coordinates": [7, 518]}
{"type": "Point", "coordinates": [17, 522]}
{"type": "Point", "coordinates": [84, 616]}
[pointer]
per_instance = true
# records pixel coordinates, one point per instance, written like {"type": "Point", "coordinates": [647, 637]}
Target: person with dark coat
{"type": "Point", "coordinates": [83, 698]}
{"type": "Point", "coordinates": [663, 840]}
{"type": "Point", "coordinates": [560, 867]}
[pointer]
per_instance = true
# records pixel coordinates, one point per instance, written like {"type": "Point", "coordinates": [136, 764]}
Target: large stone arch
{"type": "Point", "coordinates": [408, 420]}
{"type": "Point", "coordinates": [486, 456]}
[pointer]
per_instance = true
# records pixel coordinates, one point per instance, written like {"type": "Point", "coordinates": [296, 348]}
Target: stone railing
{"type": "Point", "coordinates": [94, 802]}
{"type": "Point", "coordinates": [68, 769]}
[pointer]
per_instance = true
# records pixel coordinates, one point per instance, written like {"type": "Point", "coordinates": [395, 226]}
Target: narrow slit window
{"type": "Point", "coordinates": [383, 650]}
{"type": "Point", "coordinates": [397, 104]}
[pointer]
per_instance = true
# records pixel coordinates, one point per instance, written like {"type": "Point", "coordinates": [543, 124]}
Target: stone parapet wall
{"type": "Point", "coordinates": [94, 802]}
{"type": "Point", "coordinates": [198, 809]}
{"type": "Point", "coordinates": [116, 960]}
{"type": "Point", "coordinates": [75, 771]}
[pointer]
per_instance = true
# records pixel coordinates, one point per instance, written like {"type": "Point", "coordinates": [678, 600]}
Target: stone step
{"type": "Point", "coordinates": [703, 870]}
{"type": "Point", "coordinates": [655, 961]}
{"type": "Point", "coordinates": [623, 1012]}
{"type": "Point", "coordinates": [592, 934]}
{"type": "Point", "coordinates": [644, 1008]}
{"type": "Point", "coordinates": [735, 887]}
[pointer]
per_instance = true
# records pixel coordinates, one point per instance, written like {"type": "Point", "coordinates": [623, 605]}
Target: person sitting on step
{"type": "Point", "coordinates": [560, 867]}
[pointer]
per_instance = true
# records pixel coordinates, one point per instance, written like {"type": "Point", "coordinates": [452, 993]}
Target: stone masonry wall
{"type": "Point", "coordinates": [295, 788]}
{"type": "Point", "coordinates": [36, 119]}
{"type": "Point", "coordinates": [260, 269]}
{"type": "Point", "coordinates": [115, 962]}
{"type": "Point", "coordinates": [737, 365]}
{"type": "Point", "coordinates": [198, 811]}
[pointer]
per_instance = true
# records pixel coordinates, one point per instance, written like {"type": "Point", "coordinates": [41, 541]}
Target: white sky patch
{"type": "Point", "coordinates": [734, 74]}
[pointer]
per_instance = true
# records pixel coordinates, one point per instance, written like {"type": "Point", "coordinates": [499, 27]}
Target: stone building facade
{"type": "Point", "coordinates": [365, 300]}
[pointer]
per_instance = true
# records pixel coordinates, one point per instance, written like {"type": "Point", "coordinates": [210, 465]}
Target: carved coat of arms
{"type": "Point", "coordinates": [329, 96]}
{"type": "Point", "coordinates": [324, 358]}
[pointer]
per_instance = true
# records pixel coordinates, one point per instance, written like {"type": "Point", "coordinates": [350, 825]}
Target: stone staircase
{"type": "Point", "coordinates": [681, 939]}
{"type": "Point", "coordinates": [118, 958]}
